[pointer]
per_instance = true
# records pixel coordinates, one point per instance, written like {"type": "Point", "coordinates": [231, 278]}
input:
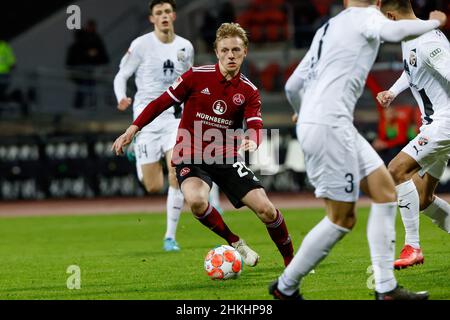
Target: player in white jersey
{"type": "Point", "coordinates": [157, 59]}
{"type": "Point", "coordinates": [418, 167]}
{"type": "Point", "coordinates": [339, 161]}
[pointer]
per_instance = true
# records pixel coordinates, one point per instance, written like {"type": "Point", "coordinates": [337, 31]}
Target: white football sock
{"type": "Point", "coordinates": [439, 212]}
{"type": "Point", "coordinates": [409, 205]}
{"type": "Point", "coordinates": [381, 237]}
{"type": "Point", "coordinates": [175, 202]}
{"type": "Point", "coordinates": [315, 247]}
{"type": "Point", "coordinates": [214, 196]}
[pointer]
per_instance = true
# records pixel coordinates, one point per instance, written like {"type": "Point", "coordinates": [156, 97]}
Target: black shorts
{"type": "Point", "coordinates": [235, 180]}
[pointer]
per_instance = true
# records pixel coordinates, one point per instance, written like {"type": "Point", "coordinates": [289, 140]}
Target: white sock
{"type": "Point", "coordinates": [214, 196]}
{"type": "Point", "coordinates": [381, 237]}
{"type": "Point", "coordinates": [439, 212]}
{"type": "Point", "coordinates": [314, 248]}
{"type": "Point", "coordinates": [175, 202]}
{"type": "Point", "coordinates": [409, 205]}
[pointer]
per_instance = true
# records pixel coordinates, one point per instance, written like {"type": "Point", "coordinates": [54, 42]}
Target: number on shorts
{"type": "Point", "coordinates": [349, 188]}
{"type": "Point", "coordinates": [142, 149]}
{"type": "Point", "coordinates": [241, 166]}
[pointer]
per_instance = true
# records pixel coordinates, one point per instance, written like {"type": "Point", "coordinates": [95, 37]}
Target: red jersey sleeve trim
{"type": "Point", "coordinates": [254, 119]}
{"type": "Point", "coordinates": [173, 97]}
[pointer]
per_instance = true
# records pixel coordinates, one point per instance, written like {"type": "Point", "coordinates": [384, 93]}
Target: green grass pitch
{"type": "Point", "coordinates": [121, 257]}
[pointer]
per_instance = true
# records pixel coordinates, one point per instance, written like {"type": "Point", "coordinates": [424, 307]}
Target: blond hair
{"type": "Point", "coordinates": [229, 30]}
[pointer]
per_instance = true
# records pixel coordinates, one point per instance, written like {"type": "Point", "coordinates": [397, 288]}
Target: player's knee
{"type": "Point", "coordinates": [197, 204]}
{"type": "Point", "coordinates": [425, 201]}
{"type": "Point", "coordinates": [266, 212]}
{"type": "Point", "coordinates": [396, 172]}
{"type": "Point", "coordinates": [347, 220]}
{"type": "Point", "coordinates": [152, 187]}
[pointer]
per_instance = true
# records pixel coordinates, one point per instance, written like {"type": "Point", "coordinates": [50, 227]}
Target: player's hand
{"type": "Point", "coordinates": [124, 104]}
{"type": "Point", "coordinates": [248, 145]}
{"type": "Point", "coordinates": [385, 98]}
{"type": "Point", "coordinates": [124, 140]}
{"type": "Point", "coordinates": [294, 117]}
{"type": "Point", "coordinates": [439, 16]}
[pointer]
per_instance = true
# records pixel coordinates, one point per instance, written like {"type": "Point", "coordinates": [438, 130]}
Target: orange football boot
{"type": "Point", "coordinates": [409, 257]}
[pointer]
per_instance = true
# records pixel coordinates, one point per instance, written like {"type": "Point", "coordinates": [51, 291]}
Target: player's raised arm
{"type": "Point", "coordinates": [128, 66]}
{"type": "Point", "coordinates": [385, 98]}
{"type": "Point", "coordinates": [395, 31]}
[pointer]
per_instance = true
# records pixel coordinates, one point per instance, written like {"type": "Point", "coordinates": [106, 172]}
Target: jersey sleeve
{"type": "Point", "coordinates": [296, 82]}
{"type": "Point", "coordinates": [400, 85]}
{"type": "Point", "coordinates": [128, 66]}
{"type": "Point", "coordinates": [191, 55]}
{"type": "Point", "coordinates": [253, 118]}
{"type": "Point", "coordinates": [371, 28]}
{"type": "Point", "coordinates": [181, 88]}
{"type": "Point", "coordinates": [395, 31]}
{"type": "Point", "coordinates": [178, 92]}
{"type": "Point", "coordinates": [437, 57]}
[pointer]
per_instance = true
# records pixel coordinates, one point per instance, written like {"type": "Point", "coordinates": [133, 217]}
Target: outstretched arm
{"type": "Point", "coordinates": [395, 31]}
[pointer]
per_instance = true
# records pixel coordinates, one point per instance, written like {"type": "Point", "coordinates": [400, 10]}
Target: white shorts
{"type": "Point", "coordinates": [150, 146]}
{"type": "Point", "coordinates": [336, 159]}
{"type": "Point", "coordinates": [431, 148]}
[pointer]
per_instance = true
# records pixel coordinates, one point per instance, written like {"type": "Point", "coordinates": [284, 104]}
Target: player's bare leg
{"type": "Point", "coordinates": [196, 193]}
{"type": "Point", "coordinates": [152, 177]}
{"type": "Point", "coordinates": [403, 168]}
{"type": "Point", "coordinates": [174, 204]}
{"type": "Point", "coordinates": [431, 205]}
{"type": "Point", "coordinates": [259, 203]}
{"type": "Point", "coordinates": [315, 247]}
{"type": "Point", "coordinates": [379, 186]}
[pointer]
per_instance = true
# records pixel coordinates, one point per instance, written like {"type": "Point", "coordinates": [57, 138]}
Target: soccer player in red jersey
{"type": "Point", "coordinates": [218, 99]}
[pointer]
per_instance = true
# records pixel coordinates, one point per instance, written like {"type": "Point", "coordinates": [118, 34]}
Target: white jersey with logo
{"type": "Point", "coordinates": [341, 55]}
{"type": "Point", "coordinates": [425, 59]}
{"type": "Point", "coordinates": [156, 66]}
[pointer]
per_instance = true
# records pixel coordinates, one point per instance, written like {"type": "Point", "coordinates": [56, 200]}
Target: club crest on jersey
{"type": "Point", "coordinates": [422, 141]}
{"type": "Point", "coordinates": [219, 107]}
{"type": "Point", "coordinates": [184, 171]}
{"type": "Point", "coordinates": [413, 57]}
{"type": "Point", "coordinates": [181, 55]}
{"type": "Point", "coordinates": [238, 99]}
{"type": "Point", "coordinates": [177, 83]}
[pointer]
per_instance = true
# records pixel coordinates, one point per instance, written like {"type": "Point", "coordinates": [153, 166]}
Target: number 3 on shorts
{"type": "Point", "coordinates": [349, 188]}
{"type": "Point", "coordinates": [241, 166]}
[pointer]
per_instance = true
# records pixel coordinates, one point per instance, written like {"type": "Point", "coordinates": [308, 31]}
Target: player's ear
{"type": "Point", "coordinates": [391, 15]}
{"type": "Point", "coordinates": [174, 16]}
{"type": "Point", "coordinates": [151, 19]}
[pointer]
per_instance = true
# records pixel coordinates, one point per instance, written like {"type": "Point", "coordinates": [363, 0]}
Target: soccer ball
{"type": "Point", "coordinates": [223, 262]}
